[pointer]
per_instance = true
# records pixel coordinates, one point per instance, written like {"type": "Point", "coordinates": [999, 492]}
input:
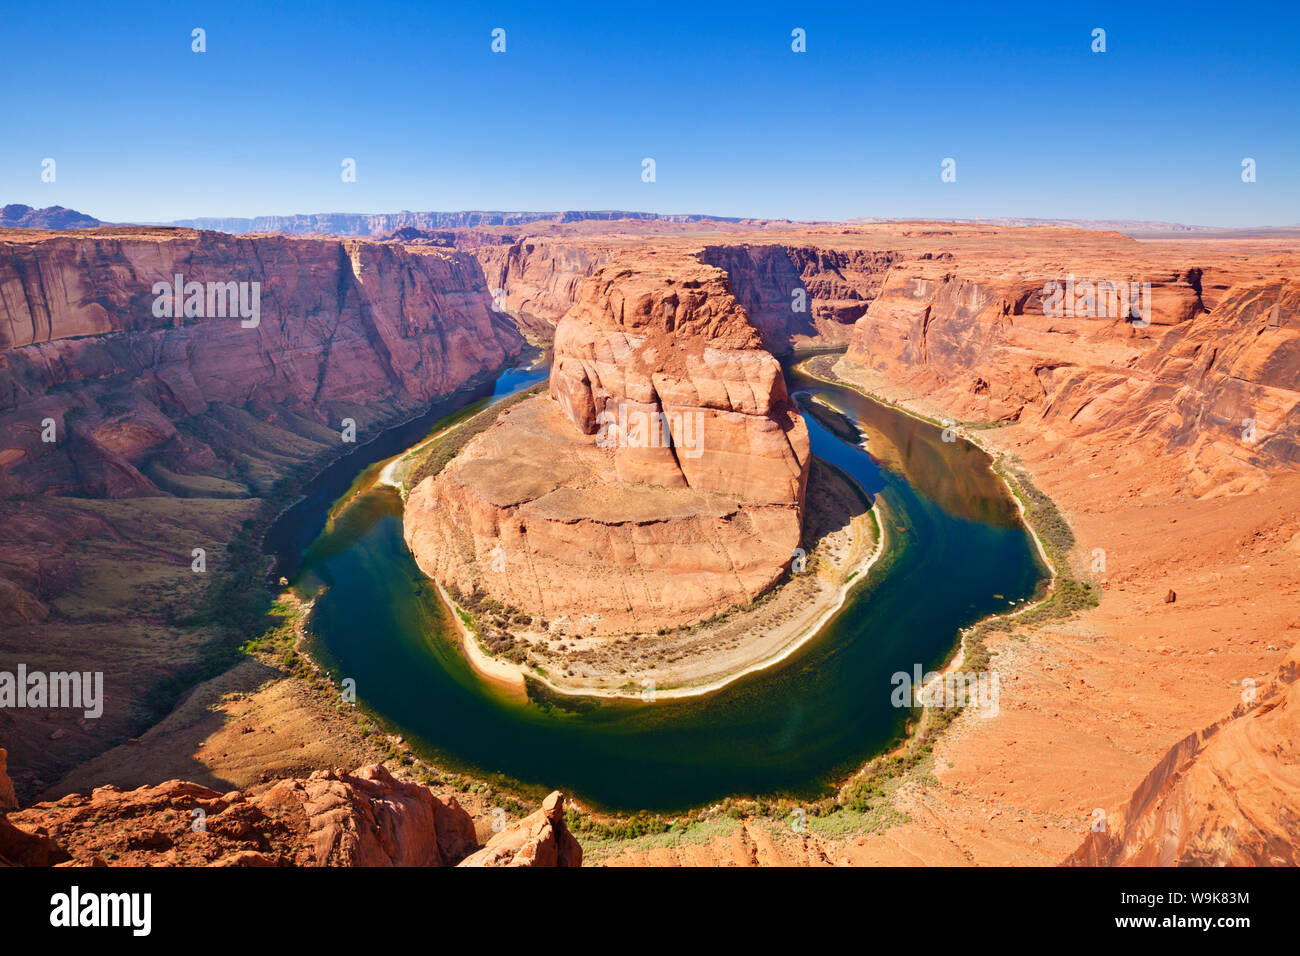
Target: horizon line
{"type": "Point", "coordinates": [646, 215]}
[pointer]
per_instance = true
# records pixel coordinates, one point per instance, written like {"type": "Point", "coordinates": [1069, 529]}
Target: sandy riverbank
{"type": "Point", "coordinates": [842, 547]}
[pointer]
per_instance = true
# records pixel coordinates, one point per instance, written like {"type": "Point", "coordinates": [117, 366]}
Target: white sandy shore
{"type": "Point", "coordinates": [513, 675]}
{"type": "Point", "coordinates": [494, 669]}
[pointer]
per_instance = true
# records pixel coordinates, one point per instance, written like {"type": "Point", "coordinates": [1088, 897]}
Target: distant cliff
{"type": "Point", "coordinates": [345, 329]}
{"type": "Point", "coordinates": [372, 224]}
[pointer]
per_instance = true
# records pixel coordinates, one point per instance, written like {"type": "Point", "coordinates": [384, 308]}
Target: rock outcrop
{"type": "Point", "coordinates": [332, 818]}
{"type": "Point", "coordinates": [800, 296]}
{"type": "Point", "coordinates": [1223, 796]}
{"type": "Point", "coordinates": [23, 847]}
{"type": "Point", "coordinates": [19, 847]}
{"type": "Point", "coordinates": [344, 329]}
{"type": "Point", "coordinates": [677, 347]}
{"type": "Point", "coordinates": [661, 483]}
{"type": "Point", "coordinates": [1210, 370]}
{"type": "Point", "coordinates": [540, 839]}
{"type": "Point", "coordinates": [371, 819]}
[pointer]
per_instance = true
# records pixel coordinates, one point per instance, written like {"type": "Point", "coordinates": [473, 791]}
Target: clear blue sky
{"type": "Point", "coordinates": [141, 128]}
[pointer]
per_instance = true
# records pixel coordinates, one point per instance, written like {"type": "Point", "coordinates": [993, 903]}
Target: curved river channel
{"type": "Point", "coordinates": [957, 552]}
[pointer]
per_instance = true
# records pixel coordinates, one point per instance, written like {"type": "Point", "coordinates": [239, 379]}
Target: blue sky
{"type": "Point", "coordinates": [141, 128]}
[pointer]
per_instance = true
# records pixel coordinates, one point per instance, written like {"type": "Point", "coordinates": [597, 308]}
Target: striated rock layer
{"type": "Point", "coordinates": [538, 278]}
{"type": "Point", "coordinates": [101, 398]}
{"type": "Point", "coordinates": [678, 345]}
{"type": "Point", "coordinates": [660, 483]}
{"type": "Point", "coordinates": [345, 327]}
{"type": "Point", "coordinates": [1223, 796]}
{"type": "Point", "coordinates": [161, 418]}
{"type": "Point", "coordinates": [1211, 370]}
{"type": "Point", "coordinates": [802, 295]}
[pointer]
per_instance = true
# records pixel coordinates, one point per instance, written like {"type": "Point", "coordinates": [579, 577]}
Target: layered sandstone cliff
{"type": "Point", "coordinates": [1222, 796]}
{"type": "Point", "coordinates": [1210, 371]}
{"type": "Point", "coordinates": [800, 296]}
{"type": "Point", "coordinates": [538, 278]}
{"type": "Point", "coordinates": [661, 482]}
{"type": "Point", "coordinates": [796, 295]}
{"type": "Point", "coordinates": [101, 397]}
{"type": "Point", "coordinates": [345, 329]}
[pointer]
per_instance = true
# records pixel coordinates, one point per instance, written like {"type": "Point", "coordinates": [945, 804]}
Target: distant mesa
{"type": "Point", "coordinates": [420, 228]}
{"type": "Point", "coordinates": [433, 228]}
{"type": "Point", "coordinates": [377, 224]}
{"type": "Point", "coordinates": [18, 216]}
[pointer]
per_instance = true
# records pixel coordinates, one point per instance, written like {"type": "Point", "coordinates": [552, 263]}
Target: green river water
{"type": "Point", "coordinates": [957, 552]}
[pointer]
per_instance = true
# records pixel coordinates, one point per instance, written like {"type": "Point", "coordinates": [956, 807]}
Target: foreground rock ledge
{"type": "Point", "coordinates": [332, 818]}
{"type": "Point", "coordinates": [540, 839]}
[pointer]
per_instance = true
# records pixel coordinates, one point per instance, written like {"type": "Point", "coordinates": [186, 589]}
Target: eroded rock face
{"type": "Point", "coordinates": [534, 512]}
{"type": "Point", "coordinates": [1211, 371]}
{"type": "Point", "coordinates": [345, 328]}
{"type": "Point", "coordinates": [536, 277]}
{"type": "Point", "coordinates": [100, 397]}
{"type": "Point", "coordinates": [20, 847]}
{"type": "Point", "coordinates": [332, 818]}
{"type": "Point", "coordinates": [800, 295]}
{"type": "Point", "coordinates": [661, 482]}
{"type": "Point", "coordinates": [540, 839]}
{"type": "Point", "coordinates": [372, 819]}
{"type": "Point", "coordinates": [644, 349]}
{"type": "Point", "coordinates": [1223, 796]}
